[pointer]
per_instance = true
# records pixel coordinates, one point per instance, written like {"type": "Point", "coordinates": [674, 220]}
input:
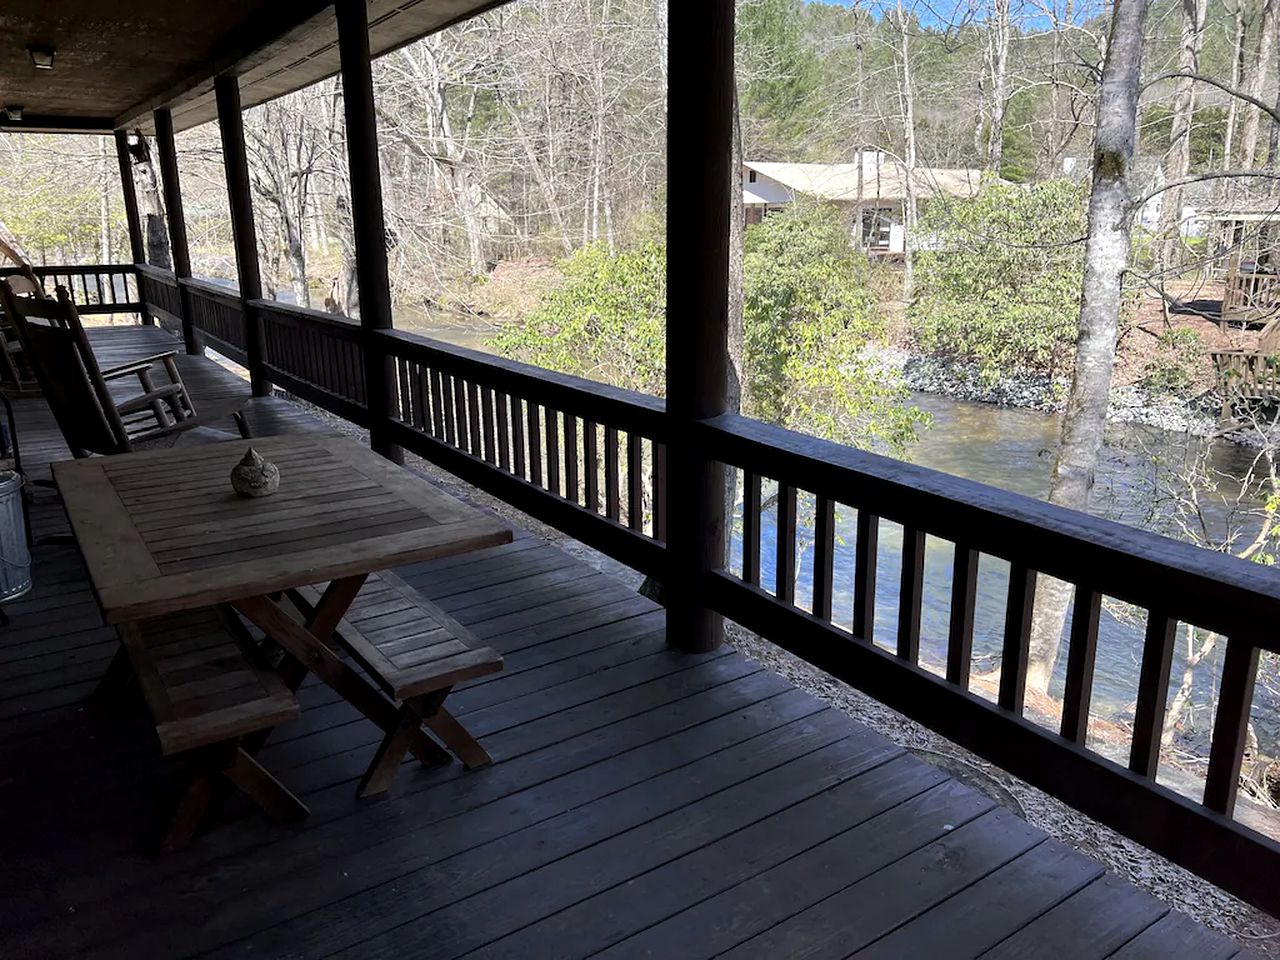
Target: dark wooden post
{"type": "Point", "coordinates": [177, 221]}
{"type": "Point", "coordinates": [235, 162]}
{"type": "Point", "coordinates": [367, 217]}
{"type": "Point", "coordinates": [699, 131]}
{"type": "Point", "coordinates": [136, 246]}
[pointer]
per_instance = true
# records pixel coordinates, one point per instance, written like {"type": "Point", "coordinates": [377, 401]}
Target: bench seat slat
{"type": "Point", "coordinates": [203, 680]}
{"type": "Point", "coordinates": [411, 651]}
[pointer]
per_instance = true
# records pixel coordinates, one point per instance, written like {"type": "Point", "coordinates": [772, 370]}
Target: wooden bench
{"type": "Point", "coordinates": [416, 653]}
{"type": "Point", "coordinates": [210, 692]}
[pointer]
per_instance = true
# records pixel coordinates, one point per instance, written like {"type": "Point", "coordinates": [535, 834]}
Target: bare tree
{"type": "Point", "coordinates": [1111, 211]}
{"type": "Point", "coordinates": [1254, 81]}
{"type": "Point", "coordinates": [1179, 158]}
{"type": "Point", "coordinates": [998, 44]}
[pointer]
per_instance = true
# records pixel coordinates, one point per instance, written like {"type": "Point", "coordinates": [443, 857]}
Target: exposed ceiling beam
{"type": "Point", "coordinates": [35, 123]}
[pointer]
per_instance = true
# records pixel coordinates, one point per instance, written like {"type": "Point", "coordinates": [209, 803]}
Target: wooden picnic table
{"type": "Point", "coordinates": [162, 533]}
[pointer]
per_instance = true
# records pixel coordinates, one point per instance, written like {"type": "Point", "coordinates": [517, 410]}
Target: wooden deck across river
{"type": "Point", "coordinates": [643, 802]}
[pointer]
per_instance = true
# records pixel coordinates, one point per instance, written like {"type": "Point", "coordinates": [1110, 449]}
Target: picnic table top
{"type": "Point", "coordinates": [162, 531]}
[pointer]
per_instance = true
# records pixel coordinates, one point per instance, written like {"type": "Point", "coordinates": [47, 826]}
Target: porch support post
{"type": "Point", "coordinates": [130, 198]}
{"type": "Point", "coordinates": [367, 217]}
{"type": "Point", "coordinates": [177, 222]}
{"type": "Point", "coordinates": [235, 162]}
{"type": "Point", "coordinates": [699, 132]}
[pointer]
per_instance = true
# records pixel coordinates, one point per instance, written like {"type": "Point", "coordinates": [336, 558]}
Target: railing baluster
{"type": "Point", "coordinates": [404, 399]}
{"type": "Point", "coordinates": [1231, 726]}
{"type": "Point", "coordinates": [535, 442]}
{"type": "Point", "coordinates": [964, 595]}
{"type": "Point", "coordinates": [450, 410]}
{"type": "Point", "coordinates": [824, 548]}
{"type": "Point", "coordinates": [591, 465]}
{"type": "Point", "coordinates": [751, 527]}
{"type": "Point", "coordinates": [462, 434]}
{"type": "Point", "coordinates": [420, 412]}
{"type": "Point", "coordinates": [571, 458]}
{"type": "Point", "coordinates": [486, 407]}
{"type": "Point", "coordinates": [1153, 693]}
{"type": "Point", "coordinates": [635, 480]}
{"type": "Point", "coordinates": [659, 491]}
{"type": "Point", "coordinates": [1082, 654]}
{"type": "Point", "coordinates": [784, 583]}
{"type": "Point", "coordinates": [910, 594]}
{"type": "Point", "coordinates": [864, 575]}
{"type": "Point", "coordinates": [553, 451]}
{"type": "Point", "coordinates": [476, 447]}
{"type": "Point", "coordinates": [97, 282]}
{"type": "Point", "coordinates": [611, 493]}
{"type": "Point", "coordinates": [504, 439]}
{"type": "Point", "coordinates": [1017, 636]}
{"type": "Point", "coordinates": [517, 435]}
{"type": "Point", "coordinates": [437, 402]}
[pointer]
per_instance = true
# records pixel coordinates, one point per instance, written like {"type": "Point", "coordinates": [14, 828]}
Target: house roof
{"type": "Point", "coordinates": [117, 60]}
{"type": "Point", "coordinates": [882, 177]}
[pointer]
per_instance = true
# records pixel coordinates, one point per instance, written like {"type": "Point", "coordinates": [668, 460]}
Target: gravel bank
{"type": "Point", "coordinates": [1129, 404]}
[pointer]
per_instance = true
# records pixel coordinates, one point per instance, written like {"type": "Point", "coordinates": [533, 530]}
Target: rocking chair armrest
{"type": "Point", "coordinates": [144, 400]}
{"type": "Point", "coordinates": [135, 366]}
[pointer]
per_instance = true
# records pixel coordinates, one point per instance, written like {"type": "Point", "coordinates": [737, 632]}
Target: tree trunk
{"type": "Point", "coordinates": [1254, 83]}
{"type": "Point", "coordinates": [147, 185]}
{"type": "Point", "coordinates": [1184, 105]}
{"type": "Point", "coordinates": [1238, 30]}
{"type": "Point", "coordinates": [104, 205]}
{"type": "Point", "coordinates": [910, 208]}
{"type": "Point", "coordinates": [1106, 255]}
{"type": "Point", "coordinates": [999, 84]}
{"type": "Point", "coordinates": [1195, 656]}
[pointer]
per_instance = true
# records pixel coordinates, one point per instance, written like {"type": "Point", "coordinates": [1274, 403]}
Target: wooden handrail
{"type": "Point", "coordinates": [624, 409]}
{"type": "Point", "coordinates": [1211, 589]}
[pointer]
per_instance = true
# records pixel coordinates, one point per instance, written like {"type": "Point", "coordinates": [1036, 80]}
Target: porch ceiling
{"type": "Point", "coordinates": [116, 61]}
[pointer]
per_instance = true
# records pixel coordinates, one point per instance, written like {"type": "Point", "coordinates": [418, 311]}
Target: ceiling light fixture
{"type": "Point", "coordinates": [41, 56]}
{"type": "Point", "coordinates": [13, 112]}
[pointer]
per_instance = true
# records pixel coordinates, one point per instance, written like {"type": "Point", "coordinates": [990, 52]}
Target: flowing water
{"type": "Point", "coordinates": [1012, 449]}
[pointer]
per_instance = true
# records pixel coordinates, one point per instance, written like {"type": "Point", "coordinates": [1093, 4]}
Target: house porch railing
{"type": "Point", "coordinates": [590, 460]}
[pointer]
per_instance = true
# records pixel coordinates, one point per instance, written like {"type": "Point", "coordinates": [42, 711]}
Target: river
{"type": "Point", "coordinates": [1012, 449]}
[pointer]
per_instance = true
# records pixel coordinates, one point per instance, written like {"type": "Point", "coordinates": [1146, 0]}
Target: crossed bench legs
{"type": "Point", "coordinates": [427, 709]}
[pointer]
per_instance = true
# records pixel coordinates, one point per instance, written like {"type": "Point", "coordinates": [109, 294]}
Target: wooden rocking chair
{"type": "Point", "coordinates": [16, 376]}
{"type": "Point", "coordinates": [91, 420]}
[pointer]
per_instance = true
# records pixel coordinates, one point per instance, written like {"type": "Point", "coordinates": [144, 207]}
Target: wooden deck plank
{"type": "Point", "coordinates": [642, 803]}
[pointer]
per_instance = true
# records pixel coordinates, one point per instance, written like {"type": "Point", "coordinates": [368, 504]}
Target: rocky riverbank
{"type": "Point", "coordinates": [958, 380]}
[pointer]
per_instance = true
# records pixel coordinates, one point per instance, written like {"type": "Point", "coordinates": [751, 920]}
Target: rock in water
{"type": "Point", "coordinates": [254, 476]}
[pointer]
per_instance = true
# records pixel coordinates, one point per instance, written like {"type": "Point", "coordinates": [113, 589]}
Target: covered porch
{"type": "Point", "coordinates": [654, 792]}
{"type": "Point", "coordinates": [644, 801]}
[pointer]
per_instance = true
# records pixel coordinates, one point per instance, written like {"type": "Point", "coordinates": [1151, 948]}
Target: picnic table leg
{"type": "Point", "coordinates": [316, 656]}
{"type": "Point", "coordinates": [428, 709]}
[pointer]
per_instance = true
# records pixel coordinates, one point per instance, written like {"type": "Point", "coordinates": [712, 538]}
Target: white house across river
{"type": "Point", "coordinates": [873, 189]}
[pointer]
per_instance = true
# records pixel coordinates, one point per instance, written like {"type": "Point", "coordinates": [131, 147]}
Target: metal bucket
{"type": "Point", "coordinates": [15, 558]}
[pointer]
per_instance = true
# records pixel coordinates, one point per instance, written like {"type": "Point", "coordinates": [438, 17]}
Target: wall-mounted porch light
{"type": "Point", "coordinates": [41, 56]}
{"type": "Point", "coordinates": [13, 112]}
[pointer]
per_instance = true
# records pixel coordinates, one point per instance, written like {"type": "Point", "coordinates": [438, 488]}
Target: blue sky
{"type": "Point", "coordinates": [937, 12]}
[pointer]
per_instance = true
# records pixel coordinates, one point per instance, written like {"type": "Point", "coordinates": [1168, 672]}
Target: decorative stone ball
{"type": "Point", "coordinates": [254, 476]}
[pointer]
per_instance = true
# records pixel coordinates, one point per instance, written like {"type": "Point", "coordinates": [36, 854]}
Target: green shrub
{"type": "Point", "coordinates": [1001, 284]}
{"type": "Point", "coordinates": [1173, 369]}
{"type": "Point", "coordinates": [808, 313]}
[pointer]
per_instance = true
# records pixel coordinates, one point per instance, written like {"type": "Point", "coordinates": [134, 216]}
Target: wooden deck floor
{"type": "Point", "coordinates": [643, 803]}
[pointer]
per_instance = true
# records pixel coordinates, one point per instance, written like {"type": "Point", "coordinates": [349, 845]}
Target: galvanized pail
{"type": "Point", "coordinates": [15, 558]}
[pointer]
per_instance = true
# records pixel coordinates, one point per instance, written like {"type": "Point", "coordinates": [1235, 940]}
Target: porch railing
{"type": "Point", "coordinates": [589, 460]}
{"type": "Point", "coordinates": [96, 288]}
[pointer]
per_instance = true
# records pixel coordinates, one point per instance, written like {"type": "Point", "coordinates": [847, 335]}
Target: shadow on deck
{"type": "Point", "coordinates": [642, 803]}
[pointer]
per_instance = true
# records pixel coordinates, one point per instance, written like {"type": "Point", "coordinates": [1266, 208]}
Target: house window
{"type": "Point", "coordinates": [751, 176]}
